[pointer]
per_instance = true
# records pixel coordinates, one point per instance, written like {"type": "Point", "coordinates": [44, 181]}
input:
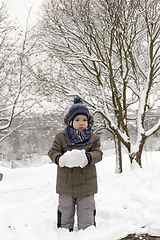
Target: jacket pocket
{"type": "Point", "coordinates": [89, 175]}
{"type": "Point", "coordinates": [64, 177]}
{"type": "Point", "coordinates": [89, 168]}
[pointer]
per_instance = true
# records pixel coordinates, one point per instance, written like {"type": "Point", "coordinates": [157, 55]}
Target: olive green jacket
{"type": "Point", "coordinates": [76, 181]}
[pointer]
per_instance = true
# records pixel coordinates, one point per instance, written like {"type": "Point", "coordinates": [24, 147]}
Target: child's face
{"type": "Point", "coordinates": [80, 122]}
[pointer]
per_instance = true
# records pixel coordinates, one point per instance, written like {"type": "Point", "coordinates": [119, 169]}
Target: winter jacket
{"type": "Point", "coordinates": [76, 181]}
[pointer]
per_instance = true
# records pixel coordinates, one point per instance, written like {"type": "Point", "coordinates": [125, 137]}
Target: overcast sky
{"type": "Point", "coordinates": [19, 9]}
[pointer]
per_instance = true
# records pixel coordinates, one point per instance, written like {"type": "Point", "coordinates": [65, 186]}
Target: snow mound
{"type": "Point", "coordinates": [126, 203]}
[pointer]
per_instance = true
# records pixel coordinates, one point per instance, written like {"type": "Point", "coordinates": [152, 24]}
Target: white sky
{"type": "Point", "coordinates": [18, 9]}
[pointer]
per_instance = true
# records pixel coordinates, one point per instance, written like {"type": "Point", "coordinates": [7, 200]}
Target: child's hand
{"type": "Point", "coordinates": [74, 158]}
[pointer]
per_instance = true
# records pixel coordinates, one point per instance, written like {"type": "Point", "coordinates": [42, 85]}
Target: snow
{"type": "Point", "coordinates": [80, 161]}
{"type": "Point", "coordinates": [126, 203]}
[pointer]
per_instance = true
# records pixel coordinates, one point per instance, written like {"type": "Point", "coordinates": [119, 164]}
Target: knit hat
{"type": "Point", "coordinates": [78, 108]}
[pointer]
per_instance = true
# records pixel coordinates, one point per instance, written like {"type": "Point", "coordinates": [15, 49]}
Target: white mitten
{"type": "Point", "coordinates": [74, 158]}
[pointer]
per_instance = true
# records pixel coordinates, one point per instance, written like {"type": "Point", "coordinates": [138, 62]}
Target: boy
{"type": "Point", "coordinates": [75, 151]}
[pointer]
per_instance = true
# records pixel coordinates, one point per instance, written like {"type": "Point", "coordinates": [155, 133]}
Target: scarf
{"type": "Point", "coordinates": [77, 138]}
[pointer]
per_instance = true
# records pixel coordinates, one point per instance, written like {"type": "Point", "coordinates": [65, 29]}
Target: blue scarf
{"type": "Point", "coordinates": [77, 138]}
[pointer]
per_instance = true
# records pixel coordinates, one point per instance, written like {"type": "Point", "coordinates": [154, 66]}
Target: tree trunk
{"type": "Point", "coordinates": [118, 155]}
{"type": "Point", "coordinates": [136, 155]}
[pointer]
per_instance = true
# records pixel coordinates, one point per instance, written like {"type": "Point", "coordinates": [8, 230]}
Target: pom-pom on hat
{"type": "Point", "coordinates": [78, 108]}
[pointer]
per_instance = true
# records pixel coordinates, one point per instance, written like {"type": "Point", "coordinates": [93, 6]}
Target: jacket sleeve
{"type": "Point", "coordinates": [95, 151]}
{"type": "Point", "coordinates": [56, 149]}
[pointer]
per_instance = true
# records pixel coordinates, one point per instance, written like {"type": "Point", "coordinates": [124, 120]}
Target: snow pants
{"type": "Point", "coordinates": [85, 212]}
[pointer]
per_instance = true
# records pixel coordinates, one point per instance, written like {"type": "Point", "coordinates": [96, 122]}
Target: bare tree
{"type": "Point", "coordinates": [112, 50]}
{"type": "Point", "coordinates": [16, 83]}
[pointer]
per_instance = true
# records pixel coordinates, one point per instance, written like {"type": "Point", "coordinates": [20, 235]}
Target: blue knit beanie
{"type": "Point", "coordinates": [78, 108]}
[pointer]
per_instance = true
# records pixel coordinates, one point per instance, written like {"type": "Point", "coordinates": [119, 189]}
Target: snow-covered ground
{"type": "Point", "coordinates": [126, 203]}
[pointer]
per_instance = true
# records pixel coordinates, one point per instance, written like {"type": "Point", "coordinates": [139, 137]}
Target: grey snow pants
{"type": "Point", "coordinates": [85, 212]}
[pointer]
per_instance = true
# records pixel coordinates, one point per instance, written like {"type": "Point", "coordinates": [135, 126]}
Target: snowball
{"type": "Point", "coordinates": [74, 158]}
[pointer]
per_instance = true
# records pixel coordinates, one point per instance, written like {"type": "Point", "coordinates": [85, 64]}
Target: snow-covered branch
{"type": "Point", "coordinates": [16, 82]}
{"type": "Point", "coordinates": [111, 56]}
